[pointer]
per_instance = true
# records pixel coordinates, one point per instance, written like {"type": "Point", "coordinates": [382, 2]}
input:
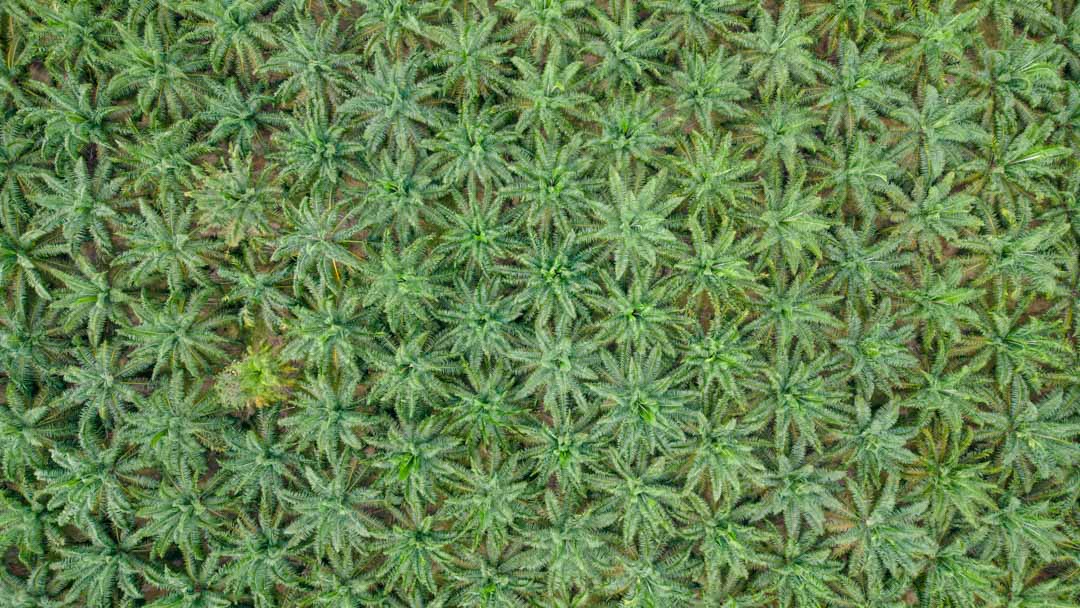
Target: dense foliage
{"type": "Point", "coordinates": [552, 303]}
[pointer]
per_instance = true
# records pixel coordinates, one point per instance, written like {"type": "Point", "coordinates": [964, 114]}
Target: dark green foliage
{"type": "Point", "coordinates": [545, 303]}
